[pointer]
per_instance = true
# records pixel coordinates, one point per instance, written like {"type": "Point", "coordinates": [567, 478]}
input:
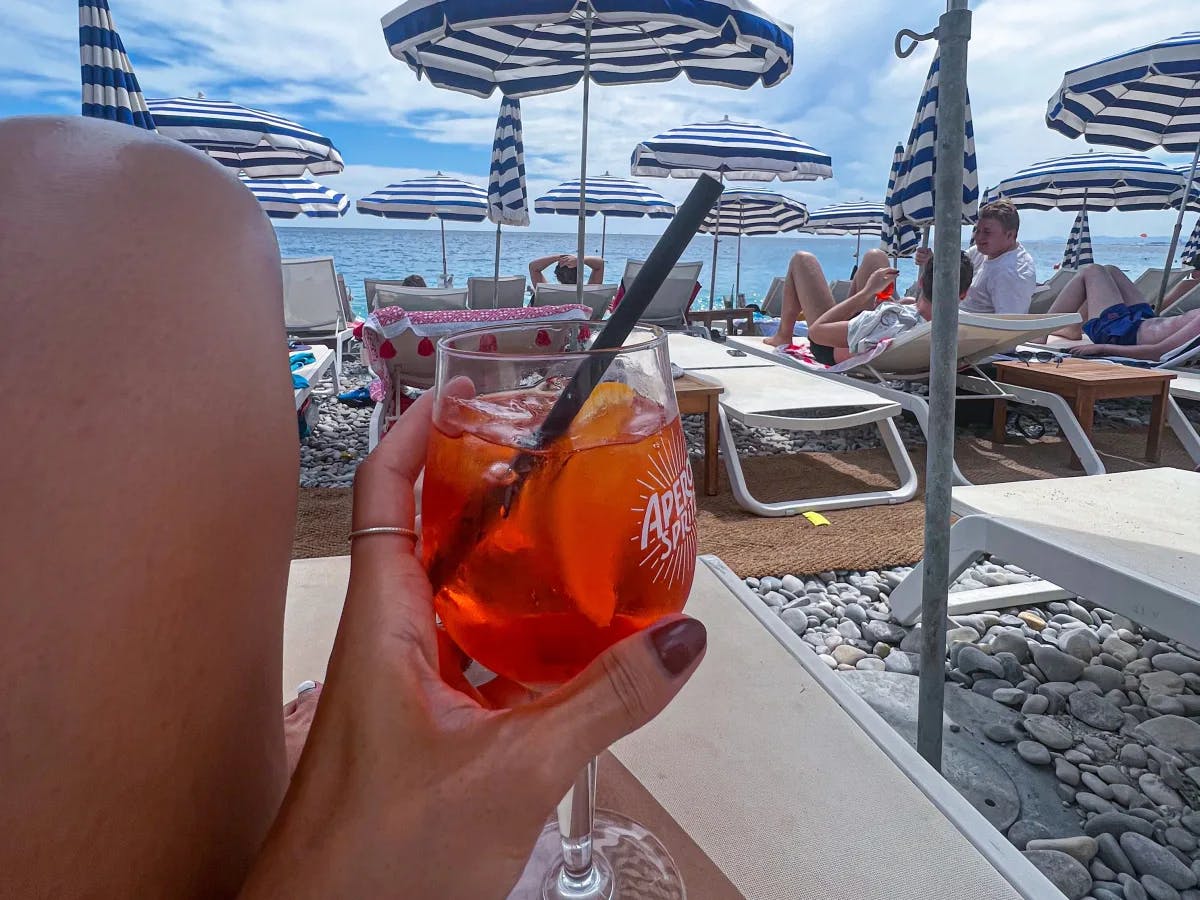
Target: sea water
{"type": "Point", "coordinates": [362, 253]}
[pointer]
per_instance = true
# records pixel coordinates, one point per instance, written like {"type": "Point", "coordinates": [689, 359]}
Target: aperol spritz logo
{"type": "Point", "coordinates": [668, 510]}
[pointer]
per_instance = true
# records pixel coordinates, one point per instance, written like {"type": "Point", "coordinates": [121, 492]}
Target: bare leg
{"type": "Point", "coordinates": [873, 260]}
{"type": "Point", "coordinates": [1089, 293]}
{"type": "Point", "coordinates": [1130, 295]}
{"type": "Point", "coordinates": [146, 542]}
{"type": "Point", "coordinates": [806, 295]}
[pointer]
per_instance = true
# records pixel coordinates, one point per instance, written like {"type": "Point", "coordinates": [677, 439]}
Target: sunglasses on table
{"type": "Point", "coordinates": [1042, 356]}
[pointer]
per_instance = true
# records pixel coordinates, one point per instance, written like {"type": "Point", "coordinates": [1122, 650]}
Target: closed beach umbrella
{"type": "Point", "coordinates": [1192, 248]}
{"type": "Point", "coordinates": [915, 184]}
{"type": "Point", "coordinates": [606, 195]}
{"type": "Point", "coordinates": [529, 49]}
{"type": "Point", "coordinates": [255, 142]}
{"type": "Point", "coordinates": [287, 198]}
{"type": "Point", "coordinates": [733, 151]}
{"type": "Point", "coordinates": [432, 197]}
{"type": "Point", "coordinates": [1146, 97]}
{"type": "Point", "coordinates": [751, 211]}
{"type": "Point", "coordinates": [859, 218]}
{"type": "Point", "coordinates": [899, 237]}
{"type": "Point", "coordinates": [508, 200]}
{"type": "Point", "coordinates": [110, 89]}
{"type": "Point", "coordinates": [1095, 181]}
{"type": "Point", "coordinates": [1079, 244]}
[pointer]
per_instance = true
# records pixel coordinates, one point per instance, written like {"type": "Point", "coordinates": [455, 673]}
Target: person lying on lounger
{"type": "Point", "coordinates": [829, 338]}
{"type": "Point", "coordinates": [566, 269]}
{"type": "Point", "coordinates": [807, 295]}
{"type": "Point", "coordinates": [1117, 318]}
{"type": "Point", "coordinates": [1186, 285]}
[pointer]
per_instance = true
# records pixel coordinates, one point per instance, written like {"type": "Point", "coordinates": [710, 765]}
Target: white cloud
{"type": "Point", "coordinates": [847, 94]}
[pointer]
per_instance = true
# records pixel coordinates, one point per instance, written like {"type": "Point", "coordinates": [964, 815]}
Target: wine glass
{"type": "Point", "coordinates": [558, 517]}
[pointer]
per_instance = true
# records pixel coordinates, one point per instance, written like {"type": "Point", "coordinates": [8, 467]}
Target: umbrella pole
{"type": "Point", "coordinates": [496, 277]}
{"type": "Point", "coordinates": [737, 279]}
{"type": "Point", "coordinates": [712, 279]}
{"type": "Point", "coordinates": [603, 233]}
{"type": "Point", "coordinates": [442, 223]}
{"type": "Point", "coordinates": [581, 234]}
{"type": "Point", "coordinates": [1187, 194]}
{"type": "Point", "coordinates": [954, 32]}
{"type": "Point", "coordinates": [857, 253]}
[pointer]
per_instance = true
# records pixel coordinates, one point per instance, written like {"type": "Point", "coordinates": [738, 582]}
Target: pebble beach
{"type": "Point", "coordinates": [1066, 692]}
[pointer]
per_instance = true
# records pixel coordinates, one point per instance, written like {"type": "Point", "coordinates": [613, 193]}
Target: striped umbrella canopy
{"type": "Point", "coordinates": [1097, 181]}
{"type": "Point", "coordinates": [735, 151]}
{"type": "Point", "coordinates": [110, 89]}
{"type": "Point", "coordinates": [857, 218]}
{"type": "Point", "coordinates": [607, 195]}
{"type": "Point", "coordinates": [1191, 249]}
{"type": "Point", "coordinates": [1079, 244]}
{"type": "Point", "coordinates": [432, 197]}
{"type": "Point", "coordinates": [258, 143]}
{"type": "Point", "coordinates": [1142, 98]}
{"type": "Point", "coordinates": [751, 211]}
{"type": "Point", "coordinates": [508, 200]}
{"type": "Point", "coordinates": [898, 236]}
{"type": "Point", "coordinates": [287, 198]}
{"type": "Point", "coordinates": [915, 182]}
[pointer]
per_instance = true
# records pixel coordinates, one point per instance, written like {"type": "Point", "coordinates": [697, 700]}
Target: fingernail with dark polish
{"type": "Point", "coordinates": [678, 643]}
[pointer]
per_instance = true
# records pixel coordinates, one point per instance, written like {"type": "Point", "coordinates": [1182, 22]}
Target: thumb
{"type": "Point", "coordinates": [623, 689]}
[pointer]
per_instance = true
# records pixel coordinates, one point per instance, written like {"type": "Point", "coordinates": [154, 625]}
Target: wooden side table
{"type": "Point", "coordinates": [698, 396]}
{"type": "Point", "coordinates": [708, 316]}
{"type": "Point", "coordinates": [1082, 382]}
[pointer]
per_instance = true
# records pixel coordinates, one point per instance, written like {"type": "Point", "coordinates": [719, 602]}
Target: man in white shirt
{"type": "Point", "coordinates": [1005, 275]}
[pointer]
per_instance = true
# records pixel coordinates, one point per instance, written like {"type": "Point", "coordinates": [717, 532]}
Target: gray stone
{"type": "Point", "coordinates": [1103, 677]}
{"type": "Point", "coordinates": [1133, 755]}
{"type": "Point", "coordinates": [1111, 854]}
{"type": "Point", "coordinates": [795, 620]}
{"type": "Point", "coordinates": [1035, 705]}
{"type": "Point", "coordinates": [1158, 889]}
{"type": "Point", "coordinates": [1000, 733]}
{"type": "Point", "coordinates": [1180, 838]}
{"type": "Point", "coordinates": [1174, 733]}
{"type": "Point", "coordinates": [1124, 652]}
{"type": "Point", "coordinates": [912, 640]}
{"type": "Point", "coordinates": [1048, 731]}
{"type": "Point", "coordinates": [964, 634]}
{"type": "Point", "coordinates": [828, 660]}
{"type": "Point", "coordinates": [1023, 831]}
{"type": "Point", "coordinates": [1066, 773]}
{"type": "Point", "coordinates": [1158, 792]}
{"type": "Point", "coordinates": [1012, 667]}
{"type": "Point", "coordinates": [1034, 753]}
{"type": "Point", "coordinates": [902, 662]}
{"type": "Point", "coordinates": [1095, 711]}
{"type": "Point", "coordinates": [1009, 696]}
{"type": "Point", "coordinates": [1093, 802]}
{"type": "Point", "coordinates": [1098, 787]}
{"type": "Point", "coordinates": [1191, 821]}
{"type": "Point", "coordinates": [1057, 665]}
{"type": "Point", "coordinates": [1133, 888]}
{"type": "Point", "coordinates": [791, 583]}
{"type": "Point", "coordinates": [1100, 871]}
{"type": "Point", "coordinates": [971, 659]}
{"type": "Point", "coordinates": [1065, 872]}
{"type": "Point", "coordinates": [1080, 643]}
{"type": "Point", "coordinates": [988, 686]}
{"type": "Point", "coordinates": [1082, 847]}
{"type": "Point", "coordinates": [769, 583]}
{"type": "Point", "coordinates": [848, 629]}
{"type": "Point", "coordinates": [1159, 683]}
{"type": "Point", "coordinates": [1116, 824]}
{"type": "Point", "coordinates": [1128, 796]}
{"type": "Point", "coordinates": [1177, 663]}
{"type": "Point", "coordinates": [1099, 892]}
{"type": "Point", "coordinates": [1013, 642]}
{"type": "Point", "coordinates": [1078, 756]}
{"type": "Point", "coordinates": [1063, 688]}
{"type": "Point", "coordinates": [847, 655]}
{"type": "Point", "coordinates": [1113, 775]}
{"type": "Point", "coordinates": [870, 664]}
{"type": "Point", "coordinates": [886, 632]}
{"type": "Point", "coordinates": [1149, 858]}
{"type": "Point", "coordinates": [855, 613]}
{"type": "Point", "coordinates": [1165, 705]}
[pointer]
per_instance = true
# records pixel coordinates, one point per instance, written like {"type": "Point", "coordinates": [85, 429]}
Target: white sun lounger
{"type": "Point", "coordinates": [1186, 303]}
{"type": "Point", "coordinates": [789, 744]}
{"type": "Point", "coordinates": [598, 297]}
{"type": "Point", "coordinates": [1044, 297]}
{"type": "Point", "coordinates": [1104, 537]}
{"type": "Point", "coordinates": [980, 337]}
{"type": "Point", "coordinates": [314, 305]}
{"type": "Point", "coordinates": [313, 373]}
{"type": "Point", "coordinates": [668, 308]}
{"type": "Point", "coordinates": [507, 292]}
{"type": "Point", "coordinates": [762, 394]}
{"type": "Point", "coordinates": [1150, 281]}
{"type": "Point", "coordinates": [772, 303]}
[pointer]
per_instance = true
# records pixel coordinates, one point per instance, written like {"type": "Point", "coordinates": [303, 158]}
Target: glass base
{"type": "Point", "coordinates": [630, 863]}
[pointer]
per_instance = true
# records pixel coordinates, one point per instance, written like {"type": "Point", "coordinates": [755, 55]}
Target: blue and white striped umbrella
{"type": "Point", "coordinates": [915, 183]}
{"type": "Point", "coordinates": [859, 217]}
{"type": "Point", "coordinates": [110, 89]}
{"type": "Point", "coordinates": [1126, 181]}
{"type": "Point", "coordinates": [897, 235]}
{"type": "Point", "coordinates": [508, 201]}
{"type": "Point", "coordinates": [1191, 250]}
{"type": "Point", "coordinates": [432, 197]}
{"type": "Point", "coordinates": [735, 151]}
{"type": "Point", "coordinates": [287, 198]}
{"type": "Point", "coordinates": [606, 195]}
{"type": "Point", "coordinates": [1079, 244]}
{"type": "Point", "coordinates": [524, 49]}
{"type": "Point", "coordinates": [258, 143]}
{"type": "Point", "coordinates": [750, 211]}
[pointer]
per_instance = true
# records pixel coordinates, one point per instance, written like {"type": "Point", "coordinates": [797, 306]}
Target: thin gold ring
{"type": "Point", "coordinates": [383, 529]}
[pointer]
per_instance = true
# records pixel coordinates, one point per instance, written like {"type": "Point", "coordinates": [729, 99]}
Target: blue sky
{"type": "Point", "coordinates": [326, 65]}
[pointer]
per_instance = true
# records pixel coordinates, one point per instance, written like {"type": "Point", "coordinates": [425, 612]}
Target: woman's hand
{"type": "Point", "coordinates": [880, 279]}
{"type": "Point", "coordinates": [923, 256]}
{"type": "Point", "coordinates": [409, 787]}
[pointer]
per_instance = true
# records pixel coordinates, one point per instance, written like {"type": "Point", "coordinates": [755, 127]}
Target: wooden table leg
{"type": "Point", "coordinates": [1158, 410]}
{"type": "Point", "coordinates": [711, 423]}
{"type": "Point", "coordinates": [999, 421]}
{"type": "Point", "coordinates": [1084, 405]}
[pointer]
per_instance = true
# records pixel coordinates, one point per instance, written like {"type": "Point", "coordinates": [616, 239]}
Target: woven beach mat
{"type": "Point", "coordinates": [869, 537]}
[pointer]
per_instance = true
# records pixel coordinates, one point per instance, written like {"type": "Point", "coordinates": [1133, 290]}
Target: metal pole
{"type": "Point", "coordinates": [857, 253]}
{"type": "Point", "coordinates": [442, 223]}
{"type": "Point", "coordinates": [587, 81]}
{"type": "Point", "coordinates": [603, 232]}
{"type": "Point", "coordinates": [954, 32]}
{"type": "Point", "coordinates": [1187, 193]}
{"type": "Point", "coordinates": [737, 279]}
{"type": "Point", "coordinates": [496, 277]}
{"type": "Point", "coordinates": [712, 281]}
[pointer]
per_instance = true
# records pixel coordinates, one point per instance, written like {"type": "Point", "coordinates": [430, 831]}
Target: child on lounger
{"type": "Point", "coordinates": [1117, 318]}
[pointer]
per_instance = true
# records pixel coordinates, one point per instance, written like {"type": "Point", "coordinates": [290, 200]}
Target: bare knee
{"type": "Point", "coordinates": [874, 259]}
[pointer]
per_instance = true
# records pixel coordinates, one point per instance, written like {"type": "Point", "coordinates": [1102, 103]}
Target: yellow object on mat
{"type": "Point", "coordinates": [816, 518]}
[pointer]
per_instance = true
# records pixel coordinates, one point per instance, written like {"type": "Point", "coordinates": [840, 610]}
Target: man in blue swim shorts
{"type": "Point", "coordinates": [1118, 320]}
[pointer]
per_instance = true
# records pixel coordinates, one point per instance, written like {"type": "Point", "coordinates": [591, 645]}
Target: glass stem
{"type": "Point", "coordinates": [575, 813]}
